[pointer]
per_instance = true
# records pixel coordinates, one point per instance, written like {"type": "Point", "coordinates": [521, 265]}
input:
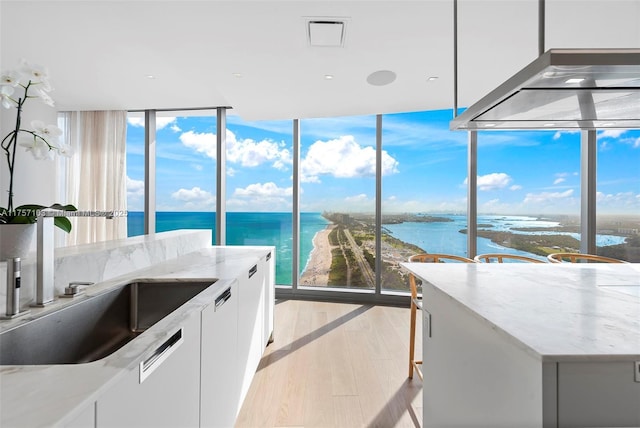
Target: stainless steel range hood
{"type": "Point", "coordinates": [564, 89]}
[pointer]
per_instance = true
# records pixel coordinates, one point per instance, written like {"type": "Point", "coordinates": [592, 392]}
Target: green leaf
{"type": "Point", "coordinates": [63, 223]}
{"type": "Point", "coordinates": [29, 214]}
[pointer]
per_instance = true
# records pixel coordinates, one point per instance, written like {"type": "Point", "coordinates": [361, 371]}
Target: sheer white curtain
{"type": "Point", "coordinates": [96, 174]}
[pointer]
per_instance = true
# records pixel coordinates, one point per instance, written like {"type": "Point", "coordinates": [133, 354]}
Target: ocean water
{"type": "Point", "coordinates": [262, 228]}
{"type": "Point", "coordinates": [266, 228]}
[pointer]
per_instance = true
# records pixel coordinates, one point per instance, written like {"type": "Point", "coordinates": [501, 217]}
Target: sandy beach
{"type": "Point", "coordinates": [317, 270]}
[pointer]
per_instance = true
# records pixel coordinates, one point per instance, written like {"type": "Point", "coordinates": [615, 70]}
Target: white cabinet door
{"type": "Point", "coordinates": [474, 375]}
{"type": "Point", "coordinates": [168, 394]}
{"type": "Point", "coordinates": [250, 324]}
{"type": "Point", "coordinates": [220, 389]}
{"type": "Point", "coordinates": [598, 394]}
{"type": "Point", "coordinates": [269, 296]}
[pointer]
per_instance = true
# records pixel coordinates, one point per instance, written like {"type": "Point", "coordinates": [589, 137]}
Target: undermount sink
{"type": "Point", "coordinates": [96, 327]}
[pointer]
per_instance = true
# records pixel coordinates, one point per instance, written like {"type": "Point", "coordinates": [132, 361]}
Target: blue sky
{"type": "Point", "coordinates": [424, 166]}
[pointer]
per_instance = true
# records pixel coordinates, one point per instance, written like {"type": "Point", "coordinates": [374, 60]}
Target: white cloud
{"type": "Point", "coordinates": [611, 133]}
{"type": "Point", "coordinates": [204, 142]}
{"type": "Point", "coordinates": [495, 205]}
{"type": "Point", "coordinates": [493, 181]}
{"type": "Point", "coordinates": [561, 177]}
{"type": "Point", "coordinates": [515, 187]}
{"type": "Point", "coordinates": [621, 199]}
{"type": "Point", "coordinates": [357, 198]}
{"type": "Point", "coordinates": [136, 121]}
{"type": "Point", "coordinates": [161, 122]}
{"type": "Point", "coordinates": [546, 197]}
{"type": "Point", "coordinates": [559, 134]}
{"type": "Point", "coordinates": [343, 158]}
{"type": "Point", "coordinates": [197, 167]}
{"type": "Point", "coordinates": [261, 190]}
{"type": "Point", "coordinates": [135, 188]}
{"type": "Point", "coordinates": [175, 128]}
{"type": "Point", "coordinates": [262, 197]}
{"type": "Point", "coordinates": [249, 153]}
{"type": "Point", "coordinates": [194, 197]}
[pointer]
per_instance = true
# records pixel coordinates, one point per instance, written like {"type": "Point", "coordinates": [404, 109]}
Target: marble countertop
{"type": "Point", "coordinates": [557, 312]}
{"type": "Point", "coordinates": [48, 395]}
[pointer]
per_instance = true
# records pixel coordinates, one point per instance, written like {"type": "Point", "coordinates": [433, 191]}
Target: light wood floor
{"type": "Point", "coordinates": [335, 365]}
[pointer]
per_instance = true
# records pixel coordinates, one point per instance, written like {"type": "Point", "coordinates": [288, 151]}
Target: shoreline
{"type": "Point", "coordinates": [316, 271]}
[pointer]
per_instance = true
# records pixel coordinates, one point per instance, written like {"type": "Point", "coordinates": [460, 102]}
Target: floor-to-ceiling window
{"type": "Point", "coordinates": [135, 173]}
{"type": "Point", "coordinates": [259, 188]}
{"type": "Point", "coordinates": [337, 201]}
{"type": "Point", "coordinates": [528, 192]}
{"type": "Point", "coordinates": [618, 194]}
{"type": "Point", "coordinates": [423, 191]}
{"type": "Point", "coordinates": [185, 171]}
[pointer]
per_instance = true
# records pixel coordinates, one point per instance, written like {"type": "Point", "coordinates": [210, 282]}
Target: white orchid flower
{"type": "Point", "coordinates": [35, 72]}
{"type": "Point", "coordinates": [44, 96]}
{"type": "Point", "coordinates": [65, 150]}
{"type": "Point", "coordinates": [37, 75]}
{"type": "Point", "coordinates": [5, 96]}
{"type": "Point", "coordinates": [11, 78]}
{"type": "Point", "coordinates": [46, 131]}
{"type": "Point", "coordinates": [38, 148]}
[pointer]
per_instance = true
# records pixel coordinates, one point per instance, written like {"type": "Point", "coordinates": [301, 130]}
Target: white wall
{"type": "Point", "coordinates": [592, 24]}
{"type": "Point", "coordinates": [498, 38]}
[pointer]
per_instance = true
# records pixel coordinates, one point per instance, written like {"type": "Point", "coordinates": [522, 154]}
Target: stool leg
{"type": "Point", "coordinates": [412, 338]}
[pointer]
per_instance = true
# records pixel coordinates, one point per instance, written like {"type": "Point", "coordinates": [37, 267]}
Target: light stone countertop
{"type": "Point", "coordinates": [556, 312]}
{"type": "Point", "coordinates": [52, 395]}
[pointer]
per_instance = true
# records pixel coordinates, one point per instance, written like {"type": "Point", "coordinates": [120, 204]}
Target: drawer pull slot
{"type": "Point", "coordinates": [160, 355]}
{"type": "Point", "coordinates": [253, 270]}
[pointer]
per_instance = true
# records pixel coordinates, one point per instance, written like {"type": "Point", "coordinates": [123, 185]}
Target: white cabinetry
{"type": "Point", "coordinates": [475, 375]}
{"type": "Point", "coordinates": [269, 296]}
{"type": "Point", "coordinates": [219, 387]}
{"type": "Point", "coordinates": [164, 390]}
{"type": "Point", "coordinates": [598, 394]}
{"type": "Point", "coordinates": [250, 324]}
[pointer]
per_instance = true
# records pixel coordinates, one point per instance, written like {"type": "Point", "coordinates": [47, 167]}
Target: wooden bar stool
{"type": "Point", "coordinates": [499, 257]}
{"type": "Point", "coordinates": [580, 257]}
{"type": "Point", "coordinates": [416, 302]}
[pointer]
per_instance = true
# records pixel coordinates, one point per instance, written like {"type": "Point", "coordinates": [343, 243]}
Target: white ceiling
{"type": "Point", "coordinates": [99, 52]}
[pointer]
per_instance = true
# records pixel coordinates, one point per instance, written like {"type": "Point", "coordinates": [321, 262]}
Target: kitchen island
{"type": "Point", "coordinates": [222, 333]}
{"type": "Point", "coordinates": [530, 345]}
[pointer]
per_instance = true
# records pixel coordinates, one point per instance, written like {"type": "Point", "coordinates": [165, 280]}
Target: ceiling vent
{"type": "Point", "coordinates": [323, 32]}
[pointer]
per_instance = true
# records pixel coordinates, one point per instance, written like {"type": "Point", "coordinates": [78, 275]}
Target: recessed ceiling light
{"type": "Point", "coordinates": [574, 80]}
{"type": "Point", "coordinates": [548, 124]}
{"type": "Point", "coordinates": [150, 76]}
{"type": "Point", "coordinates": [432, 78]}
{"type": "Point", "coordinates": [489, 125]}
{"type": "Point", "coordinates": [381, 77]}
{"type": "Point", "coordinates": [328, 76]}
{"type": "Point", "coordinates": [607, 124]}
{"type": "Point", "coordinates": [237, 74]}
